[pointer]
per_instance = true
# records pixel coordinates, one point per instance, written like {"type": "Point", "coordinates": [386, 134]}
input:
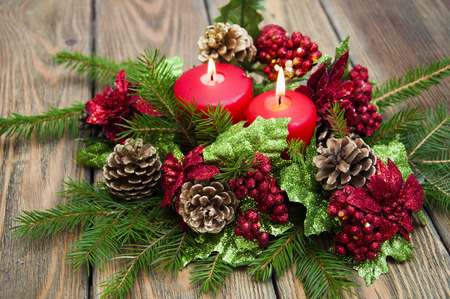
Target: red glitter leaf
{"type": "Point", "coordinates": [379, 187]}
{"type": "Point", "coordinates": [388, 229]}
{"type": "Point", "coordinates": [202, 172]}
{"type": "Point", "coordinates": [344, 89]}
{"type": "Point", "coordinates": [316, 76]}
{"type": "Point", "coordinates": [305, 90]}
{"type": "Point", "coordinates": [396, 179]}
{"type": "Point", "coordinates": [361, 199]}
{"type": "Point", "coordinates": [120, 83]}
{"type": "Point", "coordinates": [340, 63]}
{"type": "Point", "coordinates": [412, 193]}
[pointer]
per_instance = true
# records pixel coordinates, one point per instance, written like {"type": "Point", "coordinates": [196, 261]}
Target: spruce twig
{"type": "Point", "coordinates": [337, 120]}
{"type": "Point", "coordinates": [211, 272]}
{"type": "Point", "coordinates": [411, 84]}
{"type": "Point", "coordinates": [50, 124]}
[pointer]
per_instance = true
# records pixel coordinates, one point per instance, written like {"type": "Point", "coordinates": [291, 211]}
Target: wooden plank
{"type": "Point", "coordinates": [30, 171]}
{"type": "Point", "coordinates": [173, 27]}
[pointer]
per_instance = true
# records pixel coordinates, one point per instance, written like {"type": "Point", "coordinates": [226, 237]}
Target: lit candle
{"type": "Point", "coordinates": [209, 84]}
{"type": "Point", "coordinates": [286, 103]}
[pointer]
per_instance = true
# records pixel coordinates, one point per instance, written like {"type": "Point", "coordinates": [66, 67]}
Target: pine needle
{"type": "Point", "coordinates": [211, 272]}
{"type": "Point", "coordinates": [50, 124]}
{"type": "Point", "coordinates": [411, 84]}
{"type": "Point", "coordinates": [98, 68]}
{"type": "Point", "coordinates": [336, 117]}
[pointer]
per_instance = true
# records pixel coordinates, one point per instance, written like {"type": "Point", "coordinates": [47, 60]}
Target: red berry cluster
{"type": "Point", "coordinates": [361, 113]}
{"type": "Point", "coordinates": [249, 226]}
{"type": "Point", "coordinates": [263, 189]}
{"type": "Point", "coordinates": [296, 54]}
{"type": "Point", "coordinates": [361, 236]}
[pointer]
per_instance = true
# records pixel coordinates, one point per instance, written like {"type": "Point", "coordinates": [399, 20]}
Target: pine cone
{"type": "Point", "coordinates": [344, 161]}
{"type": "Point", "coordinates": [132, 171]}
{"type": "Point", "coordinates": [222, 41]}
{"type": "Point", "coordinates": [207, 206]}
{"type": "Point", "coordinates": [324, 132]}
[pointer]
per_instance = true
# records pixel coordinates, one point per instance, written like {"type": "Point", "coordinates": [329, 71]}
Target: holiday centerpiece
{"type": "Point", "coordinates": [221, 167]}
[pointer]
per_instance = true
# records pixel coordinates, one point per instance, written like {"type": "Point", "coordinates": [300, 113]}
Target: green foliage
{"type": "Point", "coordinates": [98, 68]}
{"type": "Point", "coordinates": [155, 78]}
{"type": "Point", "coordinates": [50, 124]}
{"type": "Point", "coordinates": [213, 122]}
{"type": "Point", "coordinates": [237, 169]}
{"type": "Point", "coordinates": [394, 150]}
{"type": "Point", "coordinates": [336, 117]}
{"type": "Point", "coordinates": [95, 154]}
{"type": "Point", "coordinates": [396, 247]}
{"type": "Point", "coordinates": [211, 272]}
{"type": "Point", "coordinates": [428, 145]}
{"type": "Point", "coordinates": [322, 273]}
{"type": "Point", "coordinates": [411, 84]}
{"type": "Point", "coordinates": [296, 150]}
{"type": "Point", "coordinates": [243, 13]}
{"type": "Point", "coordinates": [299, 182]}
{"type": "Point", "coordinates": [397, 124]}
{"type": "Point", "coordinates": [267, 136]}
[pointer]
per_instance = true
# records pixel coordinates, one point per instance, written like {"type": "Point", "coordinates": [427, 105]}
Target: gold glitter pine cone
{"type": "Point", "coordinates": [207, 206]}
{"type": "Point", "coordinates": [133, 170]}
{"type": "Point", "coordinates": [222, 41]}
{"type": "Point", "coordinates": [344, 161]}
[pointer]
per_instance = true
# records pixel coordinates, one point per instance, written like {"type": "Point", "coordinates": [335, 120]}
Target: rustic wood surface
{"type": "Point", "coordinates": [388, 37]}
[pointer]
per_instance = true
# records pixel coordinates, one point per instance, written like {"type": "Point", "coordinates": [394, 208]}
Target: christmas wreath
{"type": "Point", "coordinates": [190, 184]}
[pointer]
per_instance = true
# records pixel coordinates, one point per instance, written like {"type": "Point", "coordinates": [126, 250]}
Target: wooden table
{"type": "Point", "coordinates": [387, 36]}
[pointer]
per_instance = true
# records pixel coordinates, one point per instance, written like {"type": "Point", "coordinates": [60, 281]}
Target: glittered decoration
{"type": "Point", "coordinates": [176, 63]}
{"type": "Point", "coordinates": [299, 182]}
{"type": "Point", "coordinates": [394, 150]}
{"type": "Point", "coordinates": [396, 247]}
{"type": "Point", "coordinates": [95, 154]}
{"type": "Point", "coordinates": [267, 136]}
{"type": "Point", "coordinates": [267, 225]}
{"type": "Point", "coordinates": [233, 250]}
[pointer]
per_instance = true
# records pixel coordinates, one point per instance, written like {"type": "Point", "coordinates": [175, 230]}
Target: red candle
{"type": "Point", "coordinates": [281, 103]}
{"type": "Point", "coordinates": [226, 84]}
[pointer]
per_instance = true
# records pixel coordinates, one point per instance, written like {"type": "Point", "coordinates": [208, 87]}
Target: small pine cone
{"type": "Point", "coordinates": [223, 41]}
{"type": "Point", "coordinates": [133, 170]}
{"type": "Point", "coordinates": [324, 132]}
{"type": "Point", "coordinates": [344, 161]}
{"type": "Point", "coordinates": [207, 206]}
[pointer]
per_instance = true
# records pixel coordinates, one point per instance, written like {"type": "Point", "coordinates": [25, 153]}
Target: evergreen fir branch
{"type": "Point", "coordinates": [96, 245]}
{"type": "Point", "coordinates": [215, 122]}
{"type": "Point", "coordinates": [39, 224]}
{"type": "Point", "coordinates": [337, 120]}
{"type": "Point", "coordinates": [50, 124]}
{"type": "Point", "coordinates": [155, 80]}
{"type": "Point", "coordinates": [396, 125]}
{"type": "Point", "coordinates": [411, 84]}
{"type": "Point", "coordinates": [296, 150]}
{"type": "Point", "coordinates": [427, 143]}
{"type": "Point", "coordinates": [97, 68]}
{"type": "Point", "coordinates": [278, 256]}
{"type": "Point", "coordinates": [237, 169]}
{"type": "Point", "coordinates": [323, 274]}
{"type": "Point", "coordinates": [211, 272]}
{"type": "Point", "coordinates": [141, 256]}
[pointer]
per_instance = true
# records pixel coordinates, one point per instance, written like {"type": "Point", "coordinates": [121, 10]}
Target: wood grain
{"type": "Point", "coordinates": [31, 32]}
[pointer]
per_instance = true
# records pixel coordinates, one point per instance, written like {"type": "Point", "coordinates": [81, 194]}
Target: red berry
{"type": "Point", "coordinates": [255, 227]}
{"type": "Point", "coordinates": [258, 175]}
{"type": "Point", "coordinates": [340, 250]}
{"type": "Point", "coordinates": [371, 255]}
{"type": "Point", "coordinates": [279, 199]}
{"type": "Point", "coordinates": [343, 238]}
{"type": "Point", "coordinates": [354, 230]}
{"type": "Point", "coordinates": [363, 250]}
{"type": "Point", "coordinates": [262, 207]}
{"type": "Point", "coordinates": [250, 183]}
{"type": "Point", "coordinates": [280, 210]}
{"type": "Point", "coordinates": [332, 211]}
{"type": "Point", "coordinates": [248, 236]}
{"type": "Point", "coordinates": [350, 210]}
{"type": "Point", "coordinates": [367, 228]}
{"type": "Point", "coordinates": [263, 237]}
{"type": "Point", "coordinates": [251, 215]}
{"type": "Point", "coordinates": [375, 246]}
{"type": "Point", "coordinates": [245, 227]}
{"type": "Point", "coordinates": [237, 231]}
{"type": "Point", "coordinates": [351, 247]}
{"type": "Point", "coordinates": [253, 193]}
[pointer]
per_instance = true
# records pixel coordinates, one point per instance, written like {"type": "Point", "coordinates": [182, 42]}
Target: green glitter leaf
{"type": "Point", "coordinates": [396, 247]}
{"type": "Point", "coordinates": [266, 136]}
{"type": "Point", "coordinates": [394, 150]}
{"type": "Point", "coordinates": [299, 181]}
{"type": "Point", "coordinates": [165, 145]}
{"type": "Point", "coordinates": [234, 250]}
{"type": "Point", "coordinates": [325, 58]}
{"type": "Point", "coordinates": [95, 154]}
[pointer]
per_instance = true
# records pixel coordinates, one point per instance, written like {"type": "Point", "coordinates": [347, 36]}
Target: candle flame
{"type": "Point", "coordinates": [280, 91]}
{"type": "Point", "coordinates": [211, 68]}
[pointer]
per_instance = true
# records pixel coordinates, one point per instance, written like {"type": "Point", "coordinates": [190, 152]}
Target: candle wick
{"type": "Point", "coordinates": [279, 100]}
{"type": "Point", "coordinates": [212, 76]}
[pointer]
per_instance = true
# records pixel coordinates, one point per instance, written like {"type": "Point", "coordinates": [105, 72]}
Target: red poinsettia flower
{"type": "Point", "coordinates": [325, 88]}
{"type": "Point", "coordinates": [111, 108]}
{"type": "Point", "coordinates": [175, 174]}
